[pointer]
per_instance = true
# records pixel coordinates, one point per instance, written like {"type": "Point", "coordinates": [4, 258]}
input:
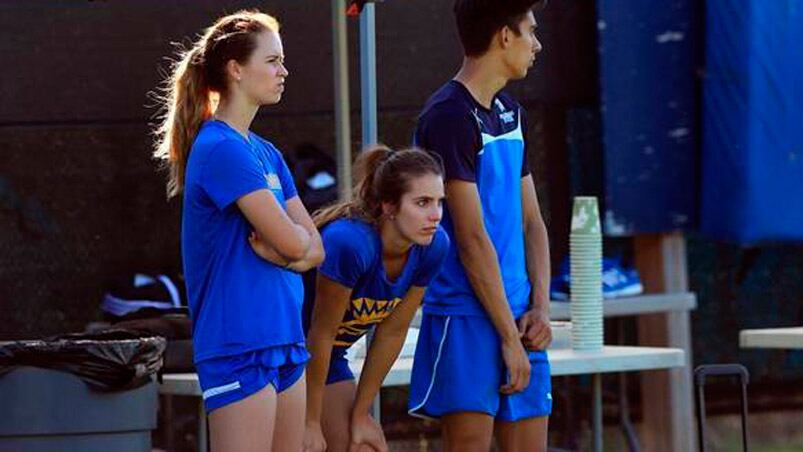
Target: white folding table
{"type": "Point", "coordinates": [562, 361]}
{"type": "Point", "coordinates": [786, 338]}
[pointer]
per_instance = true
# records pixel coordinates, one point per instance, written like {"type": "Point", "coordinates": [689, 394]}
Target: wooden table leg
{"type": "Point", "coordinates": [666, 396]}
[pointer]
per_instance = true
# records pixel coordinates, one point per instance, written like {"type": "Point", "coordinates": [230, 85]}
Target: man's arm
{"type": "Point", "coordinates": [534, 325]}
{"type": "Point", "coordinates": [478, 256]}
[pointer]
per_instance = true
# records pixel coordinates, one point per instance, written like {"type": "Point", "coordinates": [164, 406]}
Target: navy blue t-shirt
{"type": "Point", "coordinates": [486, 147]}
{"type": "Point", "coordinates": [354, 259]}
{"type": "Point", "coordinates": [239, 302]}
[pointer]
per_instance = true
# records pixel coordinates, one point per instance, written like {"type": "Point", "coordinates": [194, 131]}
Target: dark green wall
{"type": "Point", "coordinates": [80, 202]}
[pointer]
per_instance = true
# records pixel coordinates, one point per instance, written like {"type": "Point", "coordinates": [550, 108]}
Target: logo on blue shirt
{"type": "Point", "coordinates": [507, 117]}
{"type": "Point", "coordinates": [273, 181]}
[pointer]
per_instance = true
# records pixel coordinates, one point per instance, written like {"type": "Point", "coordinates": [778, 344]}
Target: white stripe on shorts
{"type": "Point", "coordinates": [412, 411]}
{"type": "Point", "coordinates": [217, 390]}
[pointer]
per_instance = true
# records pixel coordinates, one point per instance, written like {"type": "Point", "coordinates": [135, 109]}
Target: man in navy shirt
{"type": "Point", "coordinates": [480, 365]}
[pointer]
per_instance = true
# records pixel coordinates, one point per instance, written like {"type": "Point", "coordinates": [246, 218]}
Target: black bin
{"type": "Point", "coordinates": [79, 393]}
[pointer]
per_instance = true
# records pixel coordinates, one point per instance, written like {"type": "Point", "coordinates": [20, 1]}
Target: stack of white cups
{"type": "Point", "coordinates": [585, 255]}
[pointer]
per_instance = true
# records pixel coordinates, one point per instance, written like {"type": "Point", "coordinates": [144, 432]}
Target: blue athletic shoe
{"type": "Point", "coordinates": [617, 281]}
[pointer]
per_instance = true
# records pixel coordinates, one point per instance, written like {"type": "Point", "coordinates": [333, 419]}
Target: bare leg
{"type": "Point", "coordinates": [524, 435]}
{"type": "Point", "coordinates": [338, 398]}
{"type": "Point", "coordinates": [291, 407]}
{"type": "Point", "coordinates": [467, 432]}
{"type": "Point", "coordinates": [246, 425]}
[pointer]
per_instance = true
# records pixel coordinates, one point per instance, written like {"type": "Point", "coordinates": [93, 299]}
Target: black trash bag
{"type": "Point", "coordinates": [177, 329]}
{"type": "Point", "coordinates": [112, 360]}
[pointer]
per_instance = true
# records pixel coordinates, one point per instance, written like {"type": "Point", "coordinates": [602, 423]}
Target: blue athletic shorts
{"type": "Point", "coordinates": [229, 379]}
{"type": "Point", "coordinates": [458, 367]}
{"type": "Point", "coordinates": [339, 366]}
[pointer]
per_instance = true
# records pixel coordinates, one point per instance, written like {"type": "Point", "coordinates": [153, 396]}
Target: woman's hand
{"type": "Point", "coordinates": [313, 258]}
{"type": "Point", "coordinates": [266, 251]}
{"type": "Point", "coordinates": [366, 434]}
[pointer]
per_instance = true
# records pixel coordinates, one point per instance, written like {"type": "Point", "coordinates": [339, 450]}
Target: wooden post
{"type": "Point", "coordinates": [668, 411]}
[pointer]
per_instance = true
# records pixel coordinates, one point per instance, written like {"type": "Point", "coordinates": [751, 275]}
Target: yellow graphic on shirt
{"type": "Point", "coordinates": [362, 314]}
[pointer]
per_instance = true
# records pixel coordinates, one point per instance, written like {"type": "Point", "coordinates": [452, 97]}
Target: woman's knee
{"type": "Point", "coordinates": [338, 400]}
{"type": "Point", "coordinates": [468, 432]}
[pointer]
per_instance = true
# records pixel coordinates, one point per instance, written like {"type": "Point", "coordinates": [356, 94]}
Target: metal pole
{"type": "Point", "coordinates": [368, 108]}
{"type": "Point", "coordinates": [203, 437]}
{"type": "Point", "coordinates": [342, 106]}
{"type": "Point", "coordinates": [368, 74]}
{"type": "Point", "coordinates": [596, 411]}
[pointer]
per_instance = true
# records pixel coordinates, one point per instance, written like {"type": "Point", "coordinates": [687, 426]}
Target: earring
{"type": "Point", "coordinates": [392, 217]}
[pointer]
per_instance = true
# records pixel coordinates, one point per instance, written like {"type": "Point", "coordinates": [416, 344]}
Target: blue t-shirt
{"type": "Point", "coordinates": [354, 259]}
{"type": "Point", "coordinates": [486, 147]}
{"type": "Point", "coordinates": [239, 302]}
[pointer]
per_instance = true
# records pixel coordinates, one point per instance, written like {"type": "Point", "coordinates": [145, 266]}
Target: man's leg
{"type": "Point", "coordinates": [524, 435]}
{"type": "Point", "coordinates": [457, 374]}
{"type": "Point", "coordinates": [467, 431]}
{"type": "Point", "coordinates": [523, 418]}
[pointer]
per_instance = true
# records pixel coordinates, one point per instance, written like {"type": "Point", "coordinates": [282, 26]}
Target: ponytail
{"type": "Point", "coordinates": [188, 106]}
{"type": "Point", "coordinates": [365, 203]}
{"type": "Point", "coordinates": [382, 176]}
